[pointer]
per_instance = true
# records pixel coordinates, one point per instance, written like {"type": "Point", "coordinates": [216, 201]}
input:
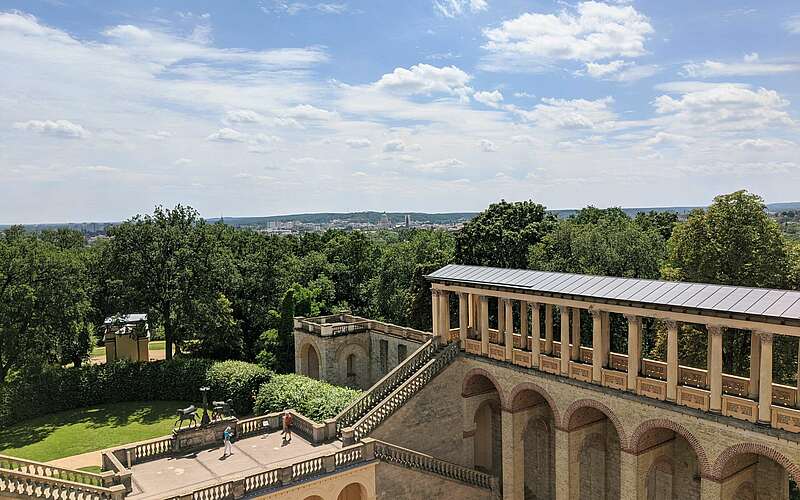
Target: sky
{"type": "Point", "coordinates": [261, 107]}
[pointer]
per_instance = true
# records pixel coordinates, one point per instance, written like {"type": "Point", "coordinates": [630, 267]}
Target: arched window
{"type": "Point", "coordinates": [351, 361]}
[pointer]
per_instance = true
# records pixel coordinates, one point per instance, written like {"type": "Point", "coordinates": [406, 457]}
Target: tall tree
{"type": "Point", "coordinates": [501, 235]}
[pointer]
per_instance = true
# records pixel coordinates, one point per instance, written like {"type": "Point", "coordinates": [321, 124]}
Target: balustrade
{"type": "Point", "coordinates": [14, 483]}
{"type": "Point", "coordinates": [48, 471]}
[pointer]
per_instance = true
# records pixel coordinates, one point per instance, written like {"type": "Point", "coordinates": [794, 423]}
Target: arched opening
{"type": "Point", "coordinates": [594, 449]}
{"type": "Point", "coordinates": [752, 476]}
{"type": "Point", "coordinates": [667, 465]}
{"type": "Point", "coordinates": [310, 359]}
{"type": "Point", "coordinates": [313, 497]}
{"type": "Point", "coordinates": [353, 491]}
{"type": "Point", "coordinates": [534, 416]}
{"type": "Point", "coordinates": [482, 401]}
{"type": "Point", "coordinates": [351, 361]}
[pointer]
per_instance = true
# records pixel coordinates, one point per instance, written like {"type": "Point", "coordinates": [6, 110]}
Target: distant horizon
{"type": "Point", "coordinates": [391, 212]}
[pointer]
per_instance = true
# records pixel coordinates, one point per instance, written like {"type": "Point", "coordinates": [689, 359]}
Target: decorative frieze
{"type": "Point", "coordinates": [743, 409]}
{"type": "Point", "coordinates": [580, 372]}
{"type": "Point", "coordinates": [615, 379]}
{"type": "Point", "coordinates": [652, 388]}
{"type": "Point", "coordinates": [522, 358]}
{"type": "Point", "coordinates": [497, 352]}
{"type": "Point", "coordinates": [694, 398]}
{"type": "Point", "coordinates": [473, 346]}
{"type": "Point", "coordinates": [787, 419]}
{"type": "Point", "coordinates": [549, 364]}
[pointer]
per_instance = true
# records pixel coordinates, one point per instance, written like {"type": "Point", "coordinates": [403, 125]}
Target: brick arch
{"type": "Point", "coordinates": [663, 423]}
{"type": "Point", "coordinates": [480, 371]}
{"type": "Point", "coordinates": [756, 449]}
{"type": "Point", "coordinates": [530, 386]}
{"type": "Point", "coordinates": [605, 410]}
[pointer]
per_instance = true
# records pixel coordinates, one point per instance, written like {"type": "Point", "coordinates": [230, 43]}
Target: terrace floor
{"type": "Point", "coordinates": [170, 476]}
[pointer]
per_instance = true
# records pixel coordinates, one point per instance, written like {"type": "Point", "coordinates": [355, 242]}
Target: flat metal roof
{"type": "Point", "coordinates": [719, 299]}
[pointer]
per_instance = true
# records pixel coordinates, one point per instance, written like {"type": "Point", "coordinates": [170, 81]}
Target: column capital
{"type": "Point", "coordinates": [633, 318]}
{"type": "Point", "coordinates": [764, 337]}
{"type": "Point", "coordinates": [671, 323]}
{"type": "Point", "coordinates": [435, 291]}
{"type": "Point", "coordinates": [714, 330]}
{"type": "Point", "coordinates": [595, 312]}
{"type": "Point", "coordinates": [483, 298]}
{"type": "Point", "coordinates": [533, 304]}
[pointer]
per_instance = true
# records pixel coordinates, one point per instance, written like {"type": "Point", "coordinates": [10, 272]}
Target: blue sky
{"type": "Point", "coordinates": [262, 107]}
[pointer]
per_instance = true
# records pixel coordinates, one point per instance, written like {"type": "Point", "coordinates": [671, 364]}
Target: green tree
{"type": "Point", "coordinates": [662, 221]}
{"type": "Point", "coordinates": [501, 235]}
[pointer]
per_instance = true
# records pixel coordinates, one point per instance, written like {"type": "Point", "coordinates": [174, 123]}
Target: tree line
{"type": "Point", "coordinates": [219, 292]}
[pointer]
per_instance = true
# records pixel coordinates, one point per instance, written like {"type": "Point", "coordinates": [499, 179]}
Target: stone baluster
{"type": "Point", "coordinates": [634, 349]}
{"type": "Point", "coordinates": [564, 340]}
{"type": "Point", "coordinates": [597, 345]}
{"type": "Point", "coordinates": [715, 367]}
{"type": "Point", "coordinates": [765, 379]}
{"type": "Point", "coordinates": [535, 334]}
{"type": "Point", "coordinates": [548, 329]}
{"type": "Point", "coordinates": [484, 316]}
{"type": "Point", "coordinates": [672, 360]}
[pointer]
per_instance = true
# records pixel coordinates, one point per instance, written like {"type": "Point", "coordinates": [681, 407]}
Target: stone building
{"type": "Point", "coordinates": [348, 350]}
{"type": "Point", "coordinates": [126, 337]}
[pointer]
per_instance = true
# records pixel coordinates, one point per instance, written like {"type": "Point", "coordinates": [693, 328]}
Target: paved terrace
{"type": "Point", "coordinates": [168, 477]}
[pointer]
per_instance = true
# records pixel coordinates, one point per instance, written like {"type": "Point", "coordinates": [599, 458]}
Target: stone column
{"type": "Point", "coordinates": [513, 472]}
{"type": "Point", "coordinates": [597, 346]}
{"type": "Point", "coordinates": [435, 311]}
{"type": "Point", "coordinates": [523, 325]}
{"type": "Point", "coordinates": [710, 490]}
{"type": "Point", "coordinates": [535, 334]}
{"type": "Point", "coordinates": [634, 349]}
{"type": "Point", "coordinates": [501, 320]}
{"type": "Point", "coordinates": [628, 479]}
{"type": "Point", "coordinates": [755, 364]}
{"type": "Point", "coordinates": [562, 465]}
{"type": "Point", "coordinates": [548, 329]}
{"type": "Point", "coordinates": [463, 318]}
{"type": "Point", "coordinates": [575, 350]}
{"type": "Point", "coordinates": [765, 380]}
{"type": "Point", "coordinates": [672, 360]}
{"type": "Point", "coordinates": [715, 368]}
{"type": "Point", "coordinates": [606, 338]}
{"type": "Point", "coordinates": [509, 334]}
{"type": "Point", "coordinates": [565, 340]}
{"type": "Point", "coordinates": [484, 314]}
{"type": "Point", "coordinates": [444, 311]}
{"type": "Point", "coordinates": [472, 311]}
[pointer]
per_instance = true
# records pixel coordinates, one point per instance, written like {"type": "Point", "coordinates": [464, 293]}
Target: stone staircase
{"type": "Point", "coordinates": [364, 414]}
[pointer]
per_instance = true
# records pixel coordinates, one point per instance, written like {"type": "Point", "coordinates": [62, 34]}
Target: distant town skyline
{"type": "Point", "coordinates": [263, 107]}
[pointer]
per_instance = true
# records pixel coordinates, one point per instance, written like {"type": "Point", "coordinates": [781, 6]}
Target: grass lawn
{"type": "Point", "coordinates": [88, 429]}
{"type": "Point", "coordinates": [154, 345]}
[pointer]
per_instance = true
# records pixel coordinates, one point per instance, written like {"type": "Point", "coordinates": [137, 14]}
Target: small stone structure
{"type": "Point", "coordinates": [352, 351]}
{"type": "Point", "coordinates": [126, 337]}
{"type": "Point", "coordinates": [204, 436]}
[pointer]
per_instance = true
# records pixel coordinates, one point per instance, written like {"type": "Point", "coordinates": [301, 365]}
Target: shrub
{"type": "Point", "coordinates": [239, 381]}
{"type": "Point", "coordinates": [313, 398]}
{"type": "Point", "coordinates": [57, 389]}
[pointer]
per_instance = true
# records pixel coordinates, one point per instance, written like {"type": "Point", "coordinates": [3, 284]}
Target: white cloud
{"type": "Point", "coordinates": [667, 139]}
{"type": "Point", "coordinates": [593, 31]}
{"type": "Point", "coordinates": [724, 108]}
{"type": "Point", "coordinates": [491, 99]}
{"type": "Point", "coordinates": [455, 8]}
{"type": "Point", "coordinates": [292, 8]}
{"type": "Point", "coordinates": [572, 114]}
{"type": "Point", "coordinates": [792, 25]}
{"type": "Point", "coordinates": [488, 146]}
{"type": "Point", "coordinates": [228, 135]}
{"type": "Point", "coordinates": [751, 65]}
{"type": "Point", "coordinates": [243, 116]}
{"type": "Point", "coordinates": [426, 80]}
{"type": "Point", "coordinates": [440, 166]}
{"type": "Point", "coordinates": [309, 112]}
{"type": "Point", "coordinates": [358, 143]}
{"type": "Point", "coordinates": [100, 169]}
{"type": "Point", "coordinates": [524, 95]}
{"type": "Point", "coordinates": [394, 146]}
{"type": "Point", "coordinates": [765, 144]}
{"type": "Point", "coordinates": [619, 71]}
{"type": "Point", "coordinates": [693, 86]}
{"type": "Point", "coordinates": [159, 135]}
{"type": "Point", "coordinates": [54, 128]}
{"type": "Point", "coordinates": [182, 161]}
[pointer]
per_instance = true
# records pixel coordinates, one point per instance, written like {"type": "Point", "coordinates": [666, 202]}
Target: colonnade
{"type": "Point", "coordinates": [754, 398]}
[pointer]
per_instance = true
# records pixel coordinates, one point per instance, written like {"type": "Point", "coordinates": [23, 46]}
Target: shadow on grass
{"type": "Point", "coordinates": [99, 419]}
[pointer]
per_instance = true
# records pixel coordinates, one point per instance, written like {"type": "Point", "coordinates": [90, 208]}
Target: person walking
{"type": "Point", "coordinates": [287, 426]}
{"type": "Point", "coordinates": [226, 438]}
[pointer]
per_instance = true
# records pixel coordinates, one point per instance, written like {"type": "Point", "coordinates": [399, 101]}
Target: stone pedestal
{"type": "Point", "coordinates": [194, 438]}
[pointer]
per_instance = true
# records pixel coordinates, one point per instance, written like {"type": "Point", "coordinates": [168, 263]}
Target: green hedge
{"type": "Point", "coordinates": [58, 389]}
{"type": "Point", "coordinates": [313, 398]}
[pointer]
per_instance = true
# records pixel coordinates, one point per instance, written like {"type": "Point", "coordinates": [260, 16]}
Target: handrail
{"type": "Point", "coordinates": [415, 460]}
{"type": "Point", "coordinates": [50, 471]}
{"type": "Point", "coordinates": [25, 484]}
{"type": "Point", "coordinates": [375, 394]}
{"type": "Point", "coordinates": [403, 393]}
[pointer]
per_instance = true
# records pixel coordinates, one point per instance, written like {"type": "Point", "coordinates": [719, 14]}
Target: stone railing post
{"type": "Point", "coordinates": [348, 436]}
{"type": "Point", "coordinates": [326, 330]}
{"type": "Point", "coordinates": [285, 475]}
{"type": "Point", "coordinates": [368, 449]}
{"type": "Point", "coordinates": [330, 429]}
{"type": "Point", "coordinates": [329, 463]}
{"type": "Point", "coordinates": [237, 488]}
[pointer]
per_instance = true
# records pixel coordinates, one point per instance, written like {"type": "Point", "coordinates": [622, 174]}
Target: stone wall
{"type": "Point", "coordinates": [396, 482]}
{"type": "Point", "coordinates": [393, 360]}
